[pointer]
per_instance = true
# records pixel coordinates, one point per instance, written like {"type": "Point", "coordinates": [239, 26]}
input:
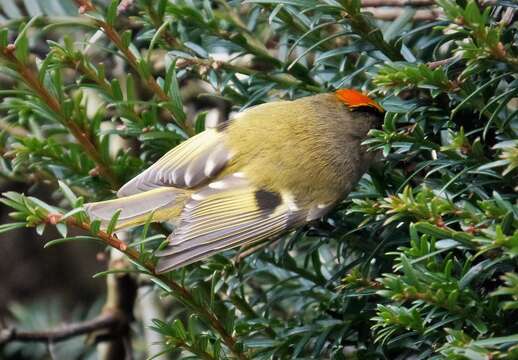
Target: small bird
{"type": "Point", "coordinates": [270, 169]}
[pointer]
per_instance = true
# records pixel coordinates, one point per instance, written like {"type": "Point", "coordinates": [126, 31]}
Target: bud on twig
{"type": "Point", "coordinates": [94, 172]}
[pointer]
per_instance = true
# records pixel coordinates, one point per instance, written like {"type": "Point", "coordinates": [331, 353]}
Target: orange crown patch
{"type": "Point", "coordinates": [355, 99]}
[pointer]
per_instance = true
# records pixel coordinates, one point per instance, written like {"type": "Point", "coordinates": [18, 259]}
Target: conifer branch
{"type": "Point", "coordinates": [30, 78]}
{"type": "Point", "coordinates": [149, 80]}
{"type": "Point", "coordinates": [178, 290]}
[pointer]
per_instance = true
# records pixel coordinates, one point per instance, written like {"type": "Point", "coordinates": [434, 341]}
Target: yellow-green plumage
{"type": "Point", "coordinates": [311, 146]}
{"type": "Point", "coordinates": [272, 168]}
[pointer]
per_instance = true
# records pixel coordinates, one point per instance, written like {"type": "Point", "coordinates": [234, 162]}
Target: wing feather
{"type": "Point", "coordinates": [248, 235]}
{"type": "Point", "coordinates": [188, 165]}
{"type": "Point", "coordinates": [223, 215]}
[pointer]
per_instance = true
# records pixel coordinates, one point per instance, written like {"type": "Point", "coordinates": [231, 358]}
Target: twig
{"type": "Point", "coordinates": [285, 79]}
{"type": "Point", "coordinates": [255, 46]}
{"type": "Point", "coordinates": [157, 23]}
{"type": "Point", "coordinates": [108, 320]}
{"type": "Point", "coordinates": [389, 14]}
{"type": "Point", "coordinates": [84, 68]}
{"type": "Point", "coordinates": [435, 64]}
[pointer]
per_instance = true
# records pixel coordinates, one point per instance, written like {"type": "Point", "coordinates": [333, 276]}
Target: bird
{"type": "Point", "coordinates": [270, 169]}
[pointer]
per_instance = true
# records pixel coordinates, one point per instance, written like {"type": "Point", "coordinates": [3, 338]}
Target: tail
{"type": "Point", "coordinates": [162, 204]}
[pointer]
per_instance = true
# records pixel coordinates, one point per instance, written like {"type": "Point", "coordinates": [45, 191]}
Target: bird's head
{"type": "Point", "coordinates": [363, 113]}
{"type": "Point", "coordinates": [356, 100]}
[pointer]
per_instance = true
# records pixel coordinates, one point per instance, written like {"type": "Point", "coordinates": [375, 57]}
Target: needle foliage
{"type": "Point", "coordinates": [420, 261]}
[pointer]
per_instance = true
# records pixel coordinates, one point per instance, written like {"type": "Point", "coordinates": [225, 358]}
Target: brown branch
{"type": "Point", "coordinates": [85, 69]}
{"type": "Point", "coordinates": [380, 3]}
{"type": "Point", "coordinates": [114, 36]}
{"type": "Point", "coordinates": [108, 320]}
{"type": "Point", "coordinates": [178, 290]}
{"type": "Point", "coordinates": [157, 22]}
{"type": "Point", "coordinates": [284, 80]}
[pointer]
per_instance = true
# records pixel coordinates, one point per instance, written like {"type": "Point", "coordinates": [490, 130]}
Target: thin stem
{"type": "Point", "coordinates": [150, 81]}
{"type": "Point", "coordinates": [114, 36]}
{"type": "Point", "coordinates": [157, 23]}
{"type": "Point", "coordinates": [283, 79]}
{"type": "Point", "coordinates": [439, 63]}
{"type": "Point", "coordinates": [252, 44]}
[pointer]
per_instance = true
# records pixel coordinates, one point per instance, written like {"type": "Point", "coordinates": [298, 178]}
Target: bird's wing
{"type": "Point", "coordinates": [188, 165]}
{"type": "Point", "coordinates": [225, 214]}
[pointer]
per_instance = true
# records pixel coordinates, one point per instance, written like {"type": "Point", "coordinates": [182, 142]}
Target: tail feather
{"type": "Point", "coordinates": [164, 203]}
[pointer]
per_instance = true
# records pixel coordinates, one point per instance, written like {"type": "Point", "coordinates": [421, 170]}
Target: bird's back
{"type": "Point", "coordinates": [304, 147]}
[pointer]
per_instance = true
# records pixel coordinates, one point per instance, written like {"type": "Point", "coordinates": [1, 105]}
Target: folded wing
{"type": "Point", "coordinates": [164, 187]}
{"type": "Point", "coordinates": [188, 165]}
{"type": "Point", "coordinates": [225, 214]}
